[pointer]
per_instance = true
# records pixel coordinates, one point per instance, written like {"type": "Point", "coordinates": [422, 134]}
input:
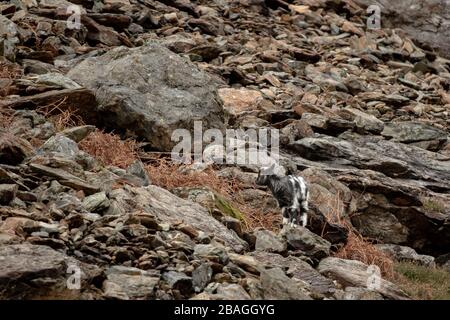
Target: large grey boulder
{"type": "Point", "coordinates": [150, 91]}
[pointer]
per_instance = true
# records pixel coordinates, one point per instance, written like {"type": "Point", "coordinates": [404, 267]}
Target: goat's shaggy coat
{"type": "Point", "coordinates": [290, 192]}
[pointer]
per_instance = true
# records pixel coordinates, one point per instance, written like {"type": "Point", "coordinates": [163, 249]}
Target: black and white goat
{"type": "Point", "coordinates": [290, 192]}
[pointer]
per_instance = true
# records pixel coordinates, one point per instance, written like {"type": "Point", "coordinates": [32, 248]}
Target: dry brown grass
{"type": "Point", "coordinates": [256, 218]}
{"type": "Point", "coordinates": [10, 72]}
{"type": "Point", "coordinates": [6, 117]}
{"type": "Point", "coordinates": [168, 175]}
{"type": "Point", "coordinates": [110, 149]}
{"type": "Point", "coordinates": [66, 119]}
{"type": "Point", "coordinates": [61, 119]}
{"type": "Point", "coordinates": [357, 247]}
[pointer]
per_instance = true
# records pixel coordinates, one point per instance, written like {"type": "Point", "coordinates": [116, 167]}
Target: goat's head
{"type": "Point", "coordinates": [264, 175]}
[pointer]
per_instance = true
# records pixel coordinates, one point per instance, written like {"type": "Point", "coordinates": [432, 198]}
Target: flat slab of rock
{"type": "Point", "coordinates": [364, 122]}
{"type": "Point", "coordinates": [232, 292]}
{"type": "Point", "coordinates": [240, 100]}
{"type": "Point", "coordinates": [78, 133]}
{"type": "Point", "coordinates": [410, 131]}
{"type": "Point", "coordinates": [214, 252]}
{"type": "Point", "coordinates": [300, 238]}
{"type": "Point", "coordinates": [246, 262]}
{"type": "Point", "coordinates": [64, 178]}
{"type": "Point", "coordinates": [151, 91]}
{"type": "Point", "coordinates": [356, 274]}
{"type": "Point", "coordinates": [403, 253]}
{"type": "Point", "coordinates": [277, 285]}
{"type": "Point", "coordinates": [126, 283]}
{"type": "Point", "coordinates": [65, 99]}
{"type": "Point", "coordinates": [96, 202]}
{"type": "Point", "coordinates": [32, 271]}
{"type": "Point", "coordinates": [201, 276]}
{"type": "Point", "coordinates": [356, 293]}
{"type": "Point", "coordinates": [178, 281]}
{"type": "Point", "coordinates": [268, 241]}
{"type": "Point", "coordinates": [296, 268]}
{"type": "Point", "coordinates": [60, 144]}
{"type": "Point", "coordinates": [225, 291]}
{"type": "Point", "coordinates": [171, 209]}
{"type": "Point", "coordinates": [393, 159]}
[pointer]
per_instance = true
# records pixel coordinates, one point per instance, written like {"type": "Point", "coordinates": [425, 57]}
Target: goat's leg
{"type": "Point", "coordinates": [303, 219]}
{"type": "Point", "coordinates": [304, 213]}
{"type": "Point", "coordinates": [293, 216]}
{"type": "Point", "coordinates": [285, 214]}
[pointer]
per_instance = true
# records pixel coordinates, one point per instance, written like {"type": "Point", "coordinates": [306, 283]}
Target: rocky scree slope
{"type": "Point", "coordinates": [363, 116]}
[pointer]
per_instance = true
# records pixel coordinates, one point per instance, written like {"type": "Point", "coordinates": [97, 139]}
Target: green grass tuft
{"type": "Point", "coordinates": [226, 208]}
{"type": "Point", "coordinates": [422, 282]}
{"type": "Point", "coordinates": [434, 205]}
